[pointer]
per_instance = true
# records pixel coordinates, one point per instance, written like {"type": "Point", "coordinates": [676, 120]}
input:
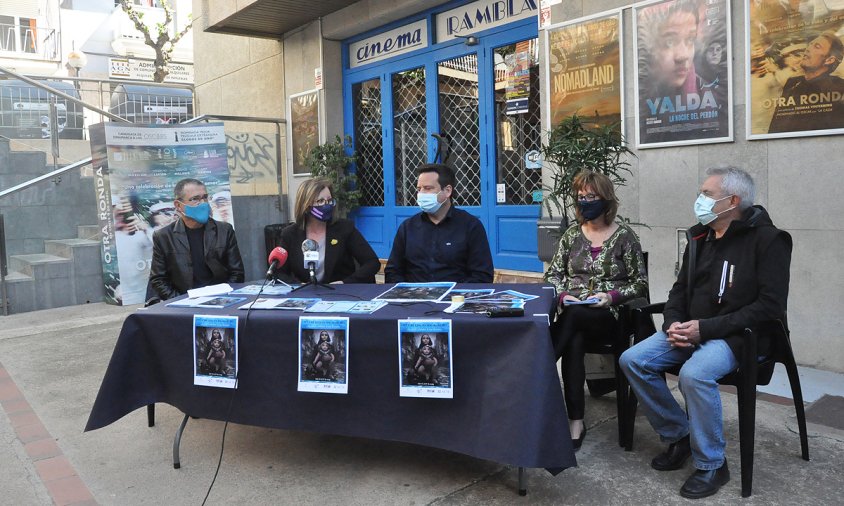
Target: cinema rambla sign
{"type": "Point", "coordinates": [397, 41]}
{"type": "Point", "coordinates": [482, 15]}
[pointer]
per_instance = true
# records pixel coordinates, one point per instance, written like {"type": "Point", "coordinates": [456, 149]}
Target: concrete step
{"type": "Point", "coordinates": [40, 265]}
{"type": "Point", "coordinates": [88, 232]}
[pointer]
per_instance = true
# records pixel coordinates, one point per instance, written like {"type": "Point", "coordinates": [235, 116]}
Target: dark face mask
{"type": "Point", "coordinates": [591, 210]}
{"type": "Point", "coordinates": [323, 212]}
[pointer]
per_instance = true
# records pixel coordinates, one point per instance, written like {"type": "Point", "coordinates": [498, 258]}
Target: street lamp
{"type": "Point", "coordinates": [77, 59]}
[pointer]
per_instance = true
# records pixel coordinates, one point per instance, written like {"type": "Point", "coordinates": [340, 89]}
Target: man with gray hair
{"type": "Point", "coordinates": [735, 275]}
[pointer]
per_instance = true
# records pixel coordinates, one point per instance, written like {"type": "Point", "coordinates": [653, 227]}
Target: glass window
{"type": "Point", "coordinates": [458, 92]}
{"type": "Point", "coordinates": [409, 132]}
{"type": "Point", "coordinates": [368, 141]}
{"type": "Point", "coordinates": [517, 121]}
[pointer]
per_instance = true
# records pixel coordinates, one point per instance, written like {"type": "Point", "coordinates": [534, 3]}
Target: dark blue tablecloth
{"type": "Point", "coordinates": [507, 407]}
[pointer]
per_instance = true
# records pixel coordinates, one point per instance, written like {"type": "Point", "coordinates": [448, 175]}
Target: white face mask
{"type": "Point", "coordinates": [703, 208]}
{"type": "Point", "coordinates": [428, 202]}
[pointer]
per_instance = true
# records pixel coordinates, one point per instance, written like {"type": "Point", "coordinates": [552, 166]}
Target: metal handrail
{"type": "Point", "coordinates": [223, 117]}
{"type": "Point", "coordinates": [65, 96]}
{"type": "Point", "coordinates": [44, 177]}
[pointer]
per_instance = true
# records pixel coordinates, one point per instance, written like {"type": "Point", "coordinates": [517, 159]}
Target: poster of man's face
{"type": "Point", "coordinates": [795, 83]}
{"type": "Point", "coordinates": [683, 86]}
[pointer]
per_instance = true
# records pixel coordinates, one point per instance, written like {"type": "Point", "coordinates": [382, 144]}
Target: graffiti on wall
{"type": "Point", "coordinates": [253, 163]}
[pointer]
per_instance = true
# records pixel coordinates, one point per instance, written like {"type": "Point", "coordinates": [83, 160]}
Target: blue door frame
{"type": "Point", "coordinates": [511, 229]}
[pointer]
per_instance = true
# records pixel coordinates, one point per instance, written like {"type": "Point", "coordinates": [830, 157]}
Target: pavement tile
{"type": "Point", "coordinates": [32, 432]}
{"type": "Point", "coordinates": [9, 390]}
{"type": "Point", "coordinates": [23, 418]}
{"type": "Point", "coordinates": [42, 449]}
{"type": "Point", "coordinates": [3, 372]}
{"type": "Point", "coordinates": [54, 468]}
{"type": "Point", "coordinates": [15, 406]}
{"type": "Point", "coordinates": [66, 491]}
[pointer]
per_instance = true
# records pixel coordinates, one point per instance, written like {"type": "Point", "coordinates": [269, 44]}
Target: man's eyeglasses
{"type": "Point", "coordinates": [589, 197]}
{"type": "Point", "coordinates": [197, 199]}
{"type": "Point", "coordinates": [323, 202]}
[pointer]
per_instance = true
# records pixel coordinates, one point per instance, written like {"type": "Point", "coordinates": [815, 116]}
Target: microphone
{"type": "Point", "coordinates": [310, 256]}
{"type": "Point", "coordinates": [277, 258]}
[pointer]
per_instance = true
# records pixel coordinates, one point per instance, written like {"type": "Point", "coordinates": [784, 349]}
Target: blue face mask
{"type": "Point", "coordinates": [428, 202]}
{"type": "Point", "coordinates": [323, 212]}
{"type": "Point", "coordinates": [199, 213]}
{"type": "Point", "coordinates": [703, 209]}
{"type": "Point", "coordinates": [593, 209]}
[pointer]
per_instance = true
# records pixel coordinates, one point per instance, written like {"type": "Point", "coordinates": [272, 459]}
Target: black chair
{"type": "Point", "coordinates": [751, 372]}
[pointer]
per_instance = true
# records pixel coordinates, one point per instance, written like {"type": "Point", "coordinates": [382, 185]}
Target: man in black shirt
{"type": "Point", "coordinates": [441, 243]}
{"type": "Point", "coordinates": [195, 250]}
{"type": "Point", "coordinates": [735, 275]}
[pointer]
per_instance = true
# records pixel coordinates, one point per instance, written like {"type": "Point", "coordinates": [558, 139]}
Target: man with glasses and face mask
{"type": "Point", "coordinates": [195, 250]}
{"type": "Point", "coordinates": [441, 243]}
{"type": "Point", "coordinates": [735, 275]}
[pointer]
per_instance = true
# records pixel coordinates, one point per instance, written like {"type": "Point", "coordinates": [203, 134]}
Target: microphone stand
{"type": "Point", "coordinates": [313, 281]}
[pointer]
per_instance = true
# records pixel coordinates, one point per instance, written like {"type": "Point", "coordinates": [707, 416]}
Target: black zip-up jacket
{"type": "Point", "coordinates": [758, 258]}
{"type": "Point", "coordinates": [171, 273]}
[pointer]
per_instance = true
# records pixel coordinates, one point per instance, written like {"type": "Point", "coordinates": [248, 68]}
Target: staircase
{"type": "Point", "coordinates": [54, 254]}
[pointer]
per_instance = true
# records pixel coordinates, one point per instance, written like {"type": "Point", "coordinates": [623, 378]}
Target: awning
{"type": "Point", "coordinates": [272, 18]}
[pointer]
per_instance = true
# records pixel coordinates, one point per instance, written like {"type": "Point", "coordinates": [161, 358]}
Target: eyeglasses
{"type": "Point", "coordinates": [324, 202]}
{"type": "Point", "coordinates": [589, 197]}
{"type": "Point", "coordinates": [197, 199]}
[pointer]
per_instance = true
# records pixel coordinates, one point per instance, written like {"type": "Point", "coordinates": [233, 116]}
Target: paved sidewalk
{"type": "Point", "coordinates": [52, 362]}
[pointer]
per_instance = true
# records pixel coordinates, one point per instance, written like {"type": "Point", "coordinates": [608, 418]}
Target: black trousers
{"type": "Point", "coordinates": [572, 330]}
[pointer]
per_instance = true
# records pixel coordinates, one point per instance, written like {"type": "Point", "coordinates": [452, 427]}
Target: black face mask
{"type": "Point", "coordinates": [591, 210]}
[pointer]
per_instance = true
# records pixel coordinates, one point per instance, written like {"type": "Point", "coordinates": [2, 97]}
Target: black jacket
{"type": "Point", "coordinates": [759, 256]}
{"type": "Point", "coordinates": [348, 257]}
{"type": "Point", "coordinates": [171, 273]}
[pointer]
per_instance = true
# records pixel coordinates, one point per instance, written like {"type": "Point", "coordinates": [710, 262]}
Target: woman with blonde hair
{"type": "Point", "coordinates": [598, 265]}
{"type": "Point", "coordinates": [344, 254]}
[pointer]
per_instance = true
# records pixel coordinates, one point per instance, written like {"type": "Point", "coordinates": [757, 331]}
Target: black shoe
{"type": "Point", "coordinates": [674, 457]}
{"type": "Point", "coordinates": [705, 483]}
{"type": "Point", "coordinates": [577, 443]}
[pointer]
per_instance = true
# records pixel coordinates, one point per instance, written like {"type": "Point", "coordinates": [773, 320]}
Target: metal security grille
{"type": "Point", "coordinates": [409, 132]}
{"type": "Point", "coordinates": [458, 92]}
{"type": "Point", "coordinates": [518, 130]}
{"type": "Point", "coordinates": [368, 141]}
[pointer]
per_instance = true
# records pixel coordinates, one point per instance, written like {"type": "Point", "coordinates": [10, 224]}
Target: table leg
{"type": "Point", "coordinates": [522, 482]}
{"type": "Point", "coordinates": [177, 441]}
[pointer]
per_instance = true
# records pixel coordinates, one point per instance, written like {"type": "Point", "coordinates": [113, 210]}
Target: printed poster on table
{"type": "Point", "coordinates": [683, 90]}
{"type": "Point", "coordinates": [215, 351]}
{"type": "Point", "coordinates": [324, 354]}
{"type": "Point", "coordinates": [795, 85]}
{"type": "Point", "coordinates": [136, 168]}
{"type": "Point", "coordinates": [425, 360]}
{"type": "Point", "coordinates": [585, 74]}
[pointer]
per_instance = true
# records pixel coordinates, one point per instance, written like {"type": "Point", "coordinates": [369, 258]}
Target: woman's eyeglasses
{"type": "Point", "coordinates": [323, 202]}
{"type": "Point", "coordinates": [589, 197]}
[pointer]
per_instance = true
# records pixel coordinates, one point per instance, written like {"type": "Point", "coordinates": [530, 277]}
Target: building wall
{"type": "Point", "coordinates": [796, 181]}
{"type": "Point", "coordinates": [795, 177]}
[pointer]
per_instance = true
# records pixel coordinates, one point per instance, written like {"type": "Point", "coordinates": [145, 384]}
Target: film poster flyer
{"type": "Point", "coordinates": [683, 61]}
{"type": "Point", "coordinates": [215, 351]}
{"type": "Point", "coordinates": [585, 71]}
{"type": "Point", "coordinates": [136, 168]}
{"type": "Point", "coordinates": [425, 362]}
{"type": "Point", "coordinates": [324, 354]}
{"type": "Point", "coordinates": [796, 82]}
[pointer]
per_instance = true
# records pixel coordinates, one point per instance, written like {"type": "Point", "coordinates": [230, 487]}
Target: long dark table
{"type": "Point", "coordinates": [508, 405]}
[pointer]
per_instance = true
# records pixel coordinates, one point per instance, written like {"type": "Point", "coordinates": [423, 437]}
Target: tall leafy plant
{"type": "Point", "coordinates": [573, 146]}
{"type": "Point", "coordinates": [332, 160]}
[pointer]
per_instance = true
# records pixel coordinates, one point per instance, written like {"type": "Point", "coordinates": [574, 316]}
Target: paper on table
{"type": "Point", "coordinates": [218, 289]}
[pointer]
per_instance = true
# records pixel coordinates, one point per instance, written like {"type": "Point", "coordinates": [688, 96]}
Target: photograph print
{"type": "Point", "coordinates": [683, 52]}
{"type": "Point", "coordinates": [425, 361]}
{"type": "Point", "coordinates": [795, 85]}
{"type": "Point", "coordinates": [215, 351]}
{"type": "Point", "coordinates": [323, 354]}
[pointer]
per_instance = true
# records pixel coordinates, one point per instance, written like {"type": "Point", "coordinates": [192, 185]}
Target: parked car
{"type": "Point", "coordinates": [25, 110]}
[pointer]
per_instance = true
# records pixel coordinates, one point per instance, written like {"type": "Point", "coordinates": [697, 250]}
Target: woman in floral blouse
{"type": "Point", "coordinates": [598, 265]}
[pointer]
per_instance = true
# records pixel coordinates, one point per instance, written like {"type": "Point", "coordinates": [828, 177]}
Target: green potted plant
{"type": "Point", "coordinates": [575, 145]}
{"type": "Point", "coordinates": [332, 160]}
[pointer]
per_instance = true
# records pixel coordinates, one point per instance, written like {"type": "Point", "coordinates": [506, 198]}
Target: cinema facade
{"type": "Point", "coordinates": [403, 79]}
